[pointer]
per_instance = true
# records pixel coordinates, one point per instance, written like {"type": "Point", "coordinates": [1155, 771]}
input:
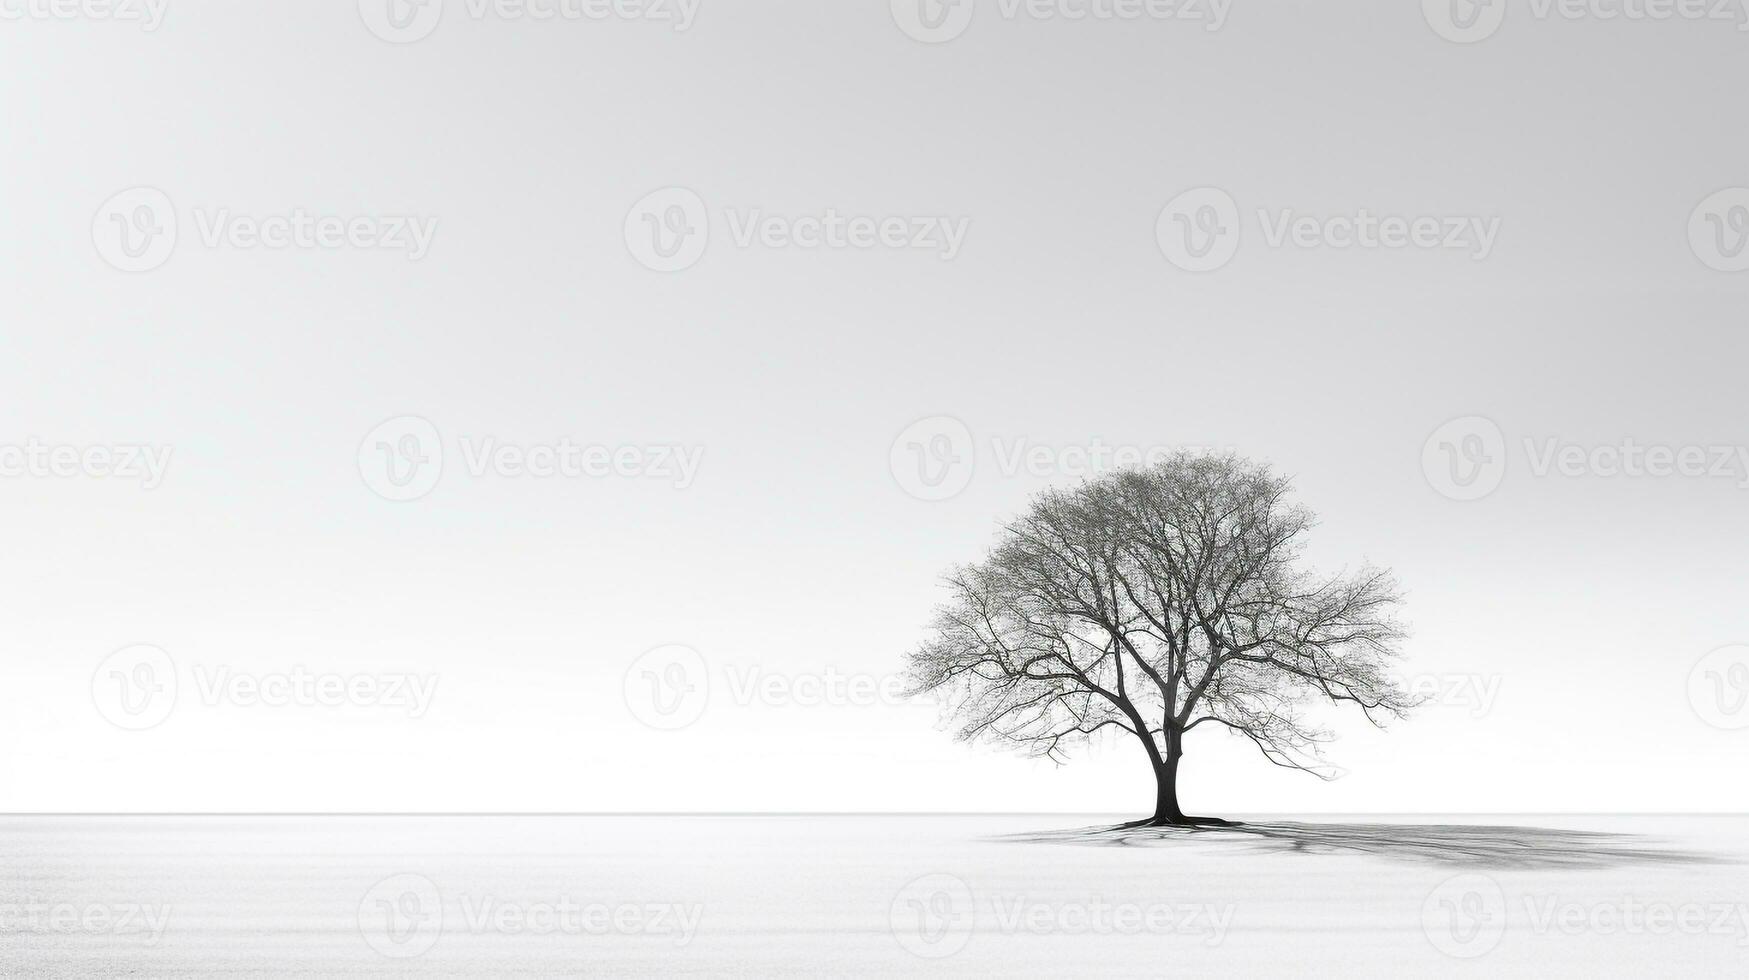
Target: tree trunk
{"type": "Point", "coordinates": [1167, 812]}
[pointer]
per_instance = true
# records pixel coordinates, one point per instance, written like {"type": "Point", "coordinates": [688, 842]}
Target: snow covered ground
{"type": "Point", "coordinates": [1035, 895]}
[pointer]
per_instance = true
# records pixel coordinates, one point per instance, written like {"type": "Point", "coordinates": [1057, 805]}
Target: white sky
{"type": "Point", "coordinates": [1582, 603]}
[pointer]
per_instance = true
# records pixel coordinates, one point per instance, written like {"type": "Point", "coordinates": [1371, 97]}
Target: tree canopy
{"type": "Point", "coordinates": [1157, 601]}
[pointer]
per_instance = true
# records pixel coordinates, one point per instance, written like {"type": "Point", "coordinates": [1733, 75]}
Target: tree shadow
{"type": "Point", "coordinates": [1463, 845]}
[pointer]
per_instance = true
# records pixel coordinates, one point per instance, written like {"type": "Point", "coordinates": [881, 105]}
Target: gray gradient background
{"type": "Point", "coordinates": [1060, 322]}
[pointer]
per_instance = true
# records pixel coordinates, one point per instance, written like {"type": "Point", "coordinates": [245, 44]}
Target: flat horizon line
{"type": "Point", "coordinates": [851, 813]}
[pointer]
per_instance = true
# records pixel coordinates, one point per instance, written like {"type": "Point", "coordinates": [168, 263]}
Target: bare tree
{"type": "Point", "coordinates": [1154, 602]}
